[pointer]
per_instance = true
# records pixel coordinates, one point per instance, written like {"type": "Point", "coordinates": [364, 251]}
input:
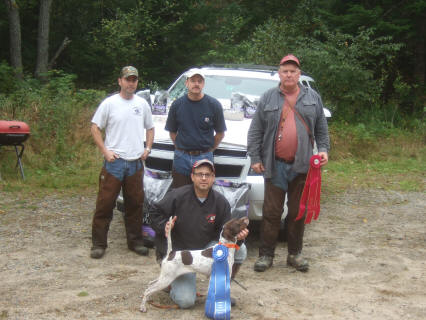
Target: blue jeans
{"type": "Point", "coordinates": [183, 162]}
{"type": "Point", "coordinates": [283, 174]}
{"type": "Point", "coordinates": [184, 289]}
{"type": "Point", "coordinates": [121, 168]}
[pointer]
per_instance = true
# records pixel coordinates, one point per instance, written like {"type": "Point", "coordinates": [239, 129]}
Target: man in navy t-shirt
{"type": "Point", "coordinates": [196, 125]}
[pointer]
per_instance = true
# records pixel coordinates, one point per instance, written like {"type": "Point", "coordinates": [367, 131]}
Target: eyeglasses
{"type": "Point", "coordinates": [203, 175]}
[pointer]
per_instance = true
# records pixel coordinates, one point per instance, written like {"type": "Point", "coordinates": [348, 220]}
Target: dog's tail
{"type": "Point", "coordinates": [169, 239]}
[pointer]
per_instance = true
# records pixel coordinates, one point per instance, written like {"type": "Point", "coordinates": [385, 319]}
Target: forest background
{"type": "Point", "coordinates": [59, 59]}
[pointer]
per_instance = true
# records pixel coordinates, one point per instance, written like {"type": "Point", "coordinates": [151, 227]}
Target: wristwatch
{"type": "Point", "coordinates": [148, 149]}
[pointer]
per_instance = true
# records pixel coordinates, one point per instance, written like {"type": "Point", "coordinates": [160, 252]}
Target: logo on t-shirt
{"type": "Point", "coordinates": [207, 119]}
{"type": "Point", "coordinates": [137, 111]}
{"type": "Point", "coordinates": [211, 218]}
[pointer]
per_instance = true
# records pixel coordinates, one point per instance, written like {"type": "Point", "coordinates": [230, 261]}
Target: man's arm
{"type": "Point", "coordinates": [173, 136]}
{"type": "Point", "coordinates": [97, 137]}
{"type": "Point", "coordinates": [218, 137]}
{"type": "Point", "coordinates": [321, 134]}
{"type": "Point", "coordinates": [149, 141]}
{"type": "Point", "coordinates": [161, 211]}
{"type": "Point", "coordinates": [255, 139]}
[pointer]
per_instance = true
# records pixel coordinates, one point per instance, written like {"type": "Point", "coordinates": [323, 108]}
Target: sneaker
{"type": "Point", "coordinates": [97, 252]}
{"type": "Point", "coordinates": [298, 262]}
{"type": "Point", "coordinates": [263, 263]}
{"type": "Point", "coordinates": [140, 250]}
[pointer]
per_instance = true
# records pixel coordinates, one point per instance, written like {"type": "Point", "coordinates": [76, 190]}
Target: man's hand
{"type": "Point", "coordinates": [324, 158]}
{"type": "Point", "coordinates": [169, 226]}
{"type": "Point", "coordinates": [243, 234]}
{"type": "Point", "coordinates": [258, 167]}
{"type": "Point", "coordinates": [110, 156]}
{"type": "Point", "coordinates": [145, 154]}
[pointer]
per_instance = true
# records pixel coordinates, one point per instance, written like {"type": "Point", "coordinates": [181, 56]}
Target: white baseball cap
{"type": "Point", "coordinates": [192, 72]}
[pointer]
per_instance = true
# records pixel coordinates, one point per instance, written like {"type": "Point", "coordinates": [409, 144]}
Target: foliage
{"type": "Point", "coordinates": [55, 111]}
{"type": "Point", "coordinates": [351, 71]}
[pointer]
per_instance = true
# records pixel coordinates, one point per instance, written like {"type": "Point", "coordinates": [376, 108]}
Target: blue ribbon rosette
{"type": "Point", "coordinates": [218, 302]}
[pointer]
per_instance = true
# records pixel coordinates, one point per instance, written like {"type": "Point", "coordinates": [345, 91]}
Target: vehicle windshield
{"type": "Point", "coordinates": [222, 87]}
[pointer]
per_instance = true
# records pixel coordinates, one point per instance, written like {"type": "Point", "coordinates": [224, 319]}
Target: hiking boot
{"type": "Point", "coordinates": [97, 252]}
{"type": "Point", "coordinates": [263, 263]}
{"type": "Point", "coordinates": [140, 250]}
{"type": "Point", "coordinates": [298, 262]}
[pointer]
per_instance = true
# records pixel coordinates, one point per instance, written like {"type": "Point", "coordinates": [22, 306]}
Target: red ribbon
{"type": "Point", "coordinates": [310, 200]}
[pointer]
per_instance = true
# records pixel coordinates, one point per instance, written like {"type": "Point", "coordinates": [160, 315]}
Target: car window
{"type": "Point", "coordinates": [179, 89]}
{"type": "Point", "coordinates": [222, 87]}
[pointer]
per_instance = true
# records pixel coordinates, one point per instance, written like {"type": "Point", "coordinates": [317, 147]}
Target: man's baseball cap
{"type": "Point", "coordinates": [129, 71]}
{"type": "Point", "coordinates": [290, 58]}
{"type": "Point", "coordinates": [201, 162]}
{"type": "Point", "coordinates": [193, 72]}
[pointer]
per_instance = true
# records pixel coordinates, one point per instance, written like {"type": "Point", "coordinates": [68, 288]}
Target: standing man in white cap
{"type": "Point", "coordinates": [288, 121]}
{"type": "Point", "coordinates": [125, 117]}
{"type": "Point", "coordinates": [196, 125]}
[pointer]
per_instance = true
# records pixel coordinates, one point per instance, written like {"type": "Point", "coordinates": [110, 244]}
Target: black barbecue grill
{"type": "Point", "coordinates": [14, 133]}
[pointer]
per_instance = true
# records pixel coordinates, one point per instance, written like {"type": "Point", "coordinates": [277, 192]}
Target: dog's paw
{"type": "Point", "coordinates": [142, 309]}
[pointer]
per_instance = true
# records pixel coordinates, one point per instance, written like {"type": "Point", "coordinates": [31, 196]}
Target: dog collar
{"type": "Point", "coordinates": [230, 245]}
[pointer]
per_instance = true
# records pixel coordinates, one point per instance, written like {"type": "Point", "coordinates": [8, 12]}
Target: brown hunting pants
{"type": "Point", "coordinates": [273, 207]}
{"type": "Point", "coordinates": [133, 195]}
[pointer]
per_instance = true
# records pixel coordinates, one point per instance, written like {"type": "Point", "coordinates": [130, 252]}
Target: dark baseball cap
{"type": "Point", "coordinates": [290, 58]}
{"type": "Point", "coordinates": [201, 162]}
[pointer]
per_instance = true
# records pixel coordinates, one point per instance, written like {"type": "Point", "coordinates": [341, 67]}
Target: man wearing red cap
{"type": "Point", "coordinates": [289, 120]}
{"type": "Point", "coordinates": [199, 213]}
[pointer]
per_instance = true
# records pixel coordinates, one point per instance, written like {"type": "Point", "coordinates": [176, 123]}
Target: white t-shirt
{"type": "Point", "coordinates": [124, 122]}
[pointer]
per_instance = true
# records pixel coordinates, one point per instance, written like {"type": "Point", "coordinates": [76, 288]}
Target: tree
{"type": "Point", "coordinates": [15, 37]}
{"type": "Point", "coordinates": [43, 39]}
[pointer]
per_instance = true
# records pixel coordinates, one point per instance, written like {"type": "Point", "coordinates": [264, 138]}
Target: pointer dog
{"type": "Point", "coordinates": [177, 263]}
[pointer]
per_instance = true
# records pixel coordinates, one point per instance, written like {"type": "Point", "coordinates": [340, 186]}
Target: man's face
{"type": "Point", "coordinates": [128, 85]}
{"type": "Point", "coordinates": [203, 178]}
{"type": "Point", "coordinates": [289, 75]}
{"type": "Point", "coordinates": [195, 84]}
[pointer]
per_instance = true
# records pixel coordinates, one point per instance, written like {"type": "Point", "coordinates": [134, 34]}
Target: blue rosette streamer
{"type": "Point", "coordinates": [218, 302]}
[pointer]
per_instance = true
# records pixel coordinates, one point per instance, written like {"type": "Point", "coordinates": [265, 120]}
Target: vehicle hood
{"type": "Point", "coordinates": [235, 135]}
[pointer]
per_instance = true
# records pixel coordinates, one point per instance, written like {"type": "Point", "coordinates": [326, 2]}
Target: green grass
{"type": "Point", "coordinates": [394, 161]}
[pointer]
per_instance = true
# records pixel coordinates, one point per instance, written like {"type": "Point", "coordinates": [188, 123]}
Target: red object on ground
{"type": "Point", "coordinates": [310, 200]}
{"type": "Point", "coordinates": [13, 132]}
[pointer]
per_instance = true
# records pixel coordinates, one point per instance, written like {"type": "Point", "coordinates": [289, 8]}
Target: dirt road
{"type": "Point", "coordinates": [367, 254]}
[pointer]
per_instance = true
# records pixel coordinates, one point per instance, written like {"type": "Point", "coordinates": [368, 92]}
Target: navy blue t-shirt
{"type": "Point", "coordinates": [195, 122]}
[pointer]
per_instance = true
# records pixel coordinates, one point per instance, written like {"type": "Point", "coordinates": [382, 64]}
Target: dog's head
{"type": "Point", "coordinates": [233, 227]}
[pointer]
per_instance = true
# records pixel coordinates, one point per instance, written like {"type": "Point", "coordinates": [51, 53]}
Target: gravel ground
{"type": "Point", "coordinates": [367, 253]}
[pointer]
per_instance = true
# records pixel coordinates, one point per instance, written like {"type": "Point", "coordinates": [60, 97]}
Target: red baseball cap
{"type": "Point", "coordinates": [201, 162]}
{"type": "Point", "coordinates": [290, 58]}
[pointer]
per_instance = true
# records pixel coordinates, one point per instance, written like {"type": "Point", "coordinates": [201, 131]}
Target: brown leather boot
{"type": "Point", "coordinates": [109, 187]}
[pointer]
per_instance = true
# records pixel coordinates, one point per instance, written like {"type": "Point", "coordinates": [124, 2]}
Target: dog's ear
{"type": "Point", "coordinates": [245, 221]}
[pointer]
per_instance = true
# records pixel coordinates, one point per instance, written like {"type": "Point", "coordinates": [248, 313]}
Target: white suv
{"type": "Point", "coordinates": [238, 88]}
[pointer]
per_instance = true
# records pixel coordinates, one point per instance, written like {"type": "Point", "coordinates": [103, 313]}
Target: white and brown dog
{"type": "Point", "coordinates": [177, 263]}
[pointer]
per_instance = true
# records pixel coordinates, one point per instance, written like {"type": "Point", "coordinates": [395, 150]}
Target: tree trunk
{"type": "Point", "coordinates": [15, 37]}
{"type": "Point", "coordinates": [43, 39]}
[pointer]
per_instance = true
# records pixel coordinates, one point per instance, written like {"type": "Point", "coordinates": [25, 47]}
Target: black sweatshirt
{"type": "Point", "coordinates": [197, 222]}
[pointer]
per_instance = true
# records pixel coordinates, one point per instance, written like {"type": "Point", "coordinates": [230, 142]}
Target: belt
{"type": "Point", "coordinates": [283, 160]}
{"type": "Point", "coordinates": [193, 152]}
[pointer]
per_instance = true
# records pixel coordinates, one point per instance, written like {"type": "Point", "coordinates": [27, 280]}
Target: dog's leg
{"type": "Point", "coordinates": [159, 284]}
